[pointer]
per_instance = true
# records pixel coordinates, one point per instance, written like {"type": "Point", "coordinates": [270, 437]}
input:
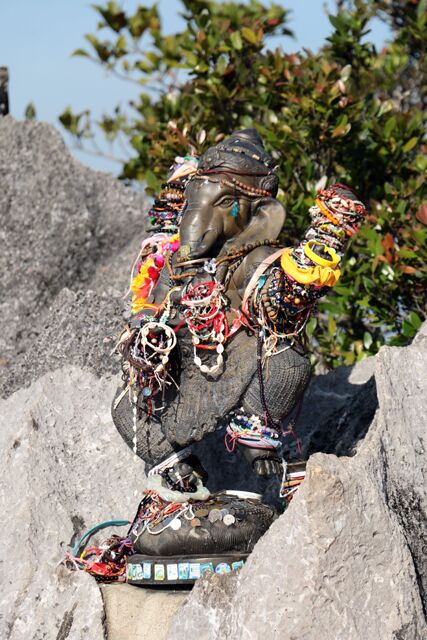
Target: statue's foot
{"type": "Point", "coordinates": [264, 462]}
{"type": "Point", "coordinates": [258, 444]}
{"type": "Point", "coordinates": [225, 523]}
{"type": "Point", "coordinates": [181, 529]}
{"type": "Point", "coordinates": [179, 478]}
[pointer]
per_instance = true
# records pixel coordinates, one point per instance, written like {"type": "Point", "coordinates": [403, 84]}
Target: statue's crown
{"type": "Point", "coordinates": [243, 150]}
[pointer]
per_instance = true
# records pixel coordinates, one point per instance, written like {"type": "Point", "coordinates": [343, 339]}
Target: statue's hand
{"type": "Point", "coordinates": [268, 467]}
{"type": "Point", "coordinates": [184, 475]}
{"type": "Point", "coordinates": [265, 462]}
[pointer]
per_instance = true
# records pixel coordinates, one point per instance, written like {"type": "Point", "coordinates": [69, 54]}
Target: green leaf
{"type": "Point", "coordinates": [341, 130]}
{"type": "Point", "coordinates": [80, 52]}
{"type": "Point", "coordinates": [151, 180]}
{"type": "Point", "coordinates": [414, 320]}
{"type": "Point", "coordinates": [222, 64]}
{"type": "Point", "coordinates": [389, 126]}
{"type": "Point", "coordinates": [408, 329]}
{"type": "Point", "coordinates": [30, 111]}
{"type": "Point", "coordinates": [249, 35]}
{"type": "Point", "coordinates": [349, 357]}
{"type": "Point", "coordinates": [407, 253]}
{"type": "Point", "coordinates": [410, 145]}
{"type": "Point", "coordinates": [364, 303]}
{"type": "Point", "coordinates": [113, 15]}
{"type": "Point", "coordinates": [311, 326]}
{"type": "Point", "coordinates": [191, 58]}
{"type": "Point", "coordinates": [236, 40]}
{"type": "Point", "coordinates": [386, 106]}
{"type": "Point", "coordinates": [121, 44]}
{"type": "Point", "coordinates": [336, 22]}
{"type": "Point", "coordinates": [367, 340]}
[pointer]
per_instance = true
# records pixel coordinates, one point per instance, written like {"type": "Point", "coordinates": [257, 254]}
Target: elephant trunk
{"type": "Point", "coordinates": [197, 241]}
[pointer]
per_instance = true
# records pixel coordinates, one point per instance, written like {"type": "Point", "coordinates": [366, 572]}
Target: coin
{"type": "Point", "coordinates": [175, 524]}
{"type": "Point", "coordinates": [201, 513]}
{"type": "Point", "coordinates": [195, 522]}
{"type": "Point", "coordinates": [215, 515]}
{"type": "Point", "coordinates": [224, 512]}
{"type": "Point", "coordinates": [229, 519]}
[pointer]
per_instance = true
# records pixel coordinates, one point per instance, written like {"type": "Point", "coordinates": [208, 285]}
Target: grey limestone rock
{"type": "Point", "coordinates": [140, 614]}
{"type": "Point", "coordinates": [62, 226]}
{"type": "Point", "coordinates": [64, 469]}
{"type": "Point", "coordinates": [347, 560]}
{"type": "Point", "coordinates": [337, 410]}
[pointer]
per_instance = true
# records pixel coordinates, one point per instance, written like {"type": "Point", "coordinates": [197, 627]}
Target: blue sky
{"type": "Point", "coordinates": [38, 36]}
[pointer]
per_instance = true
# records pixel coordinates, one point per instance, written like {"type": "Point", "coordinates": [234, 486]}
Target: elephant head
{"type": "Point", "coordinates": [231, 199]}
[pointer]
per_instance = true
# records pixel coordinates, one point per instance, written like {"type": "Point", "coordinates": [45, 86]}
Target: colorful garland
{"type": "Point", "coordinates": [165, 214]}
{"type": "Point", "coordinates": [148, 270]}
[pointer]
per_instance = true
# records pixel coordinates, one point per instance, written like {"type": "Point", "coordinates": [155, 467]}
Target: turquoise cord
{"type": "Point", "coordinates": [98, 527]}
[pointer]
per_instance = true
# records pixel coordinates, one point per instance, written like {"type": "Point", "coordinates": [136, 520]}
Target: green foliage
{"type": "Point", "coordinates": [347, 113]}
{"type": "Point", "coordinates": [30, 112]}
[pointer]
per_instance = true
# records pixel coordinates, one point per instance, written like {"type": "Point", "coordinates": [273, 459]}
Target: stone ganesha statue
{"type": "Point", "coordinates": [216, 338]}
{"type": "Point", "coordinates": [210, 230]}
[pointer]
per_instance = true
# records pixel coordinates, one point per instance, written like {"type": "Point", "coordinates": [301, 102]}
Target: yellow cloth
{"type": "Point", "coordinates": [320, 276]}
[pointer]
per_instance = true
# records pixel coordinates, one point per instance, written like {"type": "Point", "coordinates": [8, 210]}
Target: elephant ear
{"type": "Point", "coordinates": [267, 220]}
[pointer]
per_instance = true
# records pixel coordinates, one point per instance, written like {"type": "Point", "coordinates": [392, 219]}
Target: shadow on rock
{"type": "Point", "coordinates": [338, 410]}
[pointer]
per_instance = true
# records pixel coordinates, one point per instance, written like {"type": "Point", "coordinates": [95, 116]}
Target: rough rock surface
{"type": "Point", "coordinates": [63, 226]}
{"type": "Point", "coordinates": [64, 469]}
{"type": "Point", "coordinates": [347, 559]}
{"type": "Point", "coordinates": [134, 613]}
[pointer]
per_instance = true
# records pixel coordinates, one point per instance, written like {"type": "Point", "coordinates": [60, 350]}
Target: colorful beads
{"type": "Point", "coordinates": [307, 271]}
{"type": "Point", "coordinates": [248, 189]}
{"type": "Point", "coordinates": [234, 183]}
{"type": "Point", "coordinates": [207, 322]}
{"type": "Point", "coordinates": [249, 431]}
{"type": "Point", "coordinates": [167, 208]}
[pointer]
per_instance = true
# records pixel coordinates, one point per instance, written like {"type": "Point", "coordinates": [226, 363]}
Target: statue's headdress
{"type": "Point", "coordinates": [241, 154]}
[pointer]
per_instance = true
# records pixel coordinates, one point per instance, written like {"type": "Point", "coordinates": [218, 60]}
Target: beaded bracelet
{"type": "Point", "coordinates": [333, 262]}
{"type": "Point", "coordinates": [149, 326]}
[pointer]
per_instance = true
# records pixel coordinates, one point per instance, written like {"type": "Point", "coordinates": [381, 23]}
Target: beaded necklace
{"type": "Point", "coordinates": [206, 321]}
{"type": "Point", "coordinates": [166, 211]}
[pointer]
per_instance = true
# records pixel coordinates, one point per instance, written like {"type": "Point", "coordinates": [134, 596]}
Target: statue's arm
{"type": "Point", "coordinates": [306, 272]}
{"type": "Point", "coordinates": [314, 265]}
